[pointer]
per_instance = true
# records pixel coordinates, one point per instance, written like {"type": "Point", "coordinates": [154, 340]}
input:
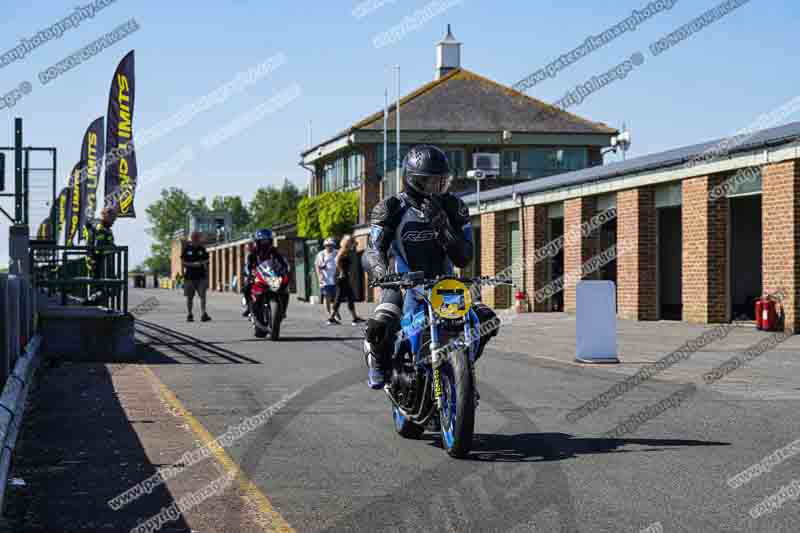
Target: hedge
{"type": "Point", "coordinates": [327, 215]}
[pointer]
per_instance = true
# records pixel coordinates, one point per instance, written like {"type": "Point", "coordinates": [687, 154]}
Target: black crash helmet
{"type": "Point", "coordinates": [426, 170]}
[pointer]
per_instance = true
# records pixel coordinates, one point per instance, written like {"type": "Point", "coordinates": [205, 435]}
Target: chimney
{"type": "Point", "coordinates": [448, 54]}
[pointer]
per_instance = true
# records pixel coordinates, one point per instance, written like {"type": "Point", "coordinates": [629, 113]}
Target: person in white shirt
{"type": "Point", "coordinates": [325, 265]}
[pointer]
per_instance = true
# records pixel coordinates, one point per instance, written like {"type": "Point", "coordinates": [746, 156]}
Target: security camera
{"type": "Point", "coordinates": [476, 174]}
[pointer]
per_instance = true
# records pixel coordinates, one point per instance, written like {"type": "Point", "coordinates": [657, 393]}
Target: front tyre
{"type": "Point", "coordinates": [457, 415]}
{"type": "Point", "coordinates": [405, 427]}
{"type": "Point", "coordinates": [258, 312]}
{"type": "Point", "coordinates": [274, 319]}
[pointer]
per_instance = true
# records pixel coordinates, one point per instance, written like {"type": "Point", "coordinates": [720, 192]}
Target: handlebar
{"type": "Point", "coordinates": [413, 279]}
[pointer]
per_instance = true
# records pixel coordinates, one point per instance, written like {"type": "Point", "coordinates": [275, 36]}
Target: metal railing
{"type": "Point", "coordinates": [17, 320]}
{"type": "Point", "coordinates": [64, 270]}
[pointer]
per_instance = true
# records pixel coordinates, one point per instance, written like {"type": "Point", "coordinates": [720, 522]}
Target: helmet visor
{"type": "Point", "coordinates": [427, 184]}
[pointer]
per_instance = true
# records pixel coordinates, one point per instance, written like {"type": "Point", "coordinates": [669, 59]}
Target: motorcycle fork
{"type": "Point", "coordinates": [469, 341]}
{"type": "Point", "coordinates": [435, 359]}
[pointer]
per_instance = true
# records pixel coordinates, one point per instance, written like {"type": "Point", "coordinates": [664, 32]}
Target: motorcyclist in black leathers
{"type": "Point", "coordinates": [423, 228]}
{"type": "Point", "coordinates": [263, 249]}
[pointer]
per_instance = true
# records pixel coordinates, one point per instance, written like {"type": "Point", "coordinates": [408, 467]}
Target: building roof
{"type": "Point", "coordinates": [462, 101]}
{"type": "Point", "coordinates": [449, 39]}
{"type": "Point", "coordinates": [781, 135]}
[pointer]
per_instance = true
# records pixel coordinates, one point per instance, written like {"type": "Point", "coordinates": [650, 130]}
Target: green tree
{"type": "Point", "coordinates": [308, 218]}
{"type": "Point", "coordinates": [272, 206]}
{"type": "Point", "coordinates": [338, 213]}
{"type": "Point", "coordinates": [239, 212]}
{"type": "Point", "coordinates": [167, 216]}
{"type": "Point", "coordinates": [170, 213]}
{"type": "Point", "coordinates": [330, 214]}
{"type": "Point", "coordinates": [158, 264]}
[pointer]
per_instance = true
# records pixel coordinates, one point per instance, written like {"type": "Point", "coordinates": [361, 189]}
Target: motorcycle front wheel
{"type": "Point", "coordinates": [457, 415]}
{"type": "Point", "coordinates": [274, 319]}
{"type": "Point", "coordinates": [260, 319]}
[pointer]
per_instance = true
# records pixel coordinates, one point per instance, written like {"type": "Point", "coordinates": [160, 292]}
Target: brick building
{"type": "Point", "coordinates": [698, 233]}
{"type": "Point", "coordinates": [695, 233]}
{"type": "Point", "coordinates": [479, 124]}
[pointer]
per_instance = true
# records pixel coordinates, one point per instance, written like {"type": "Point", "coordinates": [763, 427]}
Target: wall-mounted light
{"type": "Point", "coordinates": [620, 142]}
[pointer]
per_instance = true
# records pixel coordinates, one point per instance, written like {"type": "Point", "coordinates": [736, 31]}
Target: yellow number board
{"type": "Point", "coordinates": [451, 299]}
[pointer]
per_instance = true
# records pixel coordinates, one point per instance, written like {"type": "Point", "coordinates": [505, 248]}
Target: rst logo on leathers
{"type": "Point", "coordinates": [419, 236]}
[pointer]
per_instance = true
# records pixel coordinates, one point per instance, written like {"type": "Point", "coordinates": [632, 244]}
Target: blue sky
{"type": "Point", "coordinates": [714, 83]}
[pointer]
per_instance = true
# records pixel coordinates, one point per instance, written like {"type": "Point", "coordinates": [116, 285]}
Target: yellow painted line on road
{"type": "Point", "coordinates": [267, 517]}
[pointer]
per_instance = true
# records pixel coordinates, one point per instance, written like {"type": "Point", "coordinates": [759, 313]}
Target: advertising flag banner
{"type": "Point", "coordinates": [44, 230]}
{"type": "Point", "coordinates": [121, 171]}
{"type": "Point", "coordinates": [92, 150]}
{"type": "Point", "coordinates": [73, 208]}
{"type": "Point", "coordinates": [61, 206]}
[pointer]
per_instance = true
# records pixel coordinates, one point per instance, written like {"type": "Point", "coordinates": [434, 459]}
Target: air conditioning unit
{"type": "Point", "coordinates": [488, 163]}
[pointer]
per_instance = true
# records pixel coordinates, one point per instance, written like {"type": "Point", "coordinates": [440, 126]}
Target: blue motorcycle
{"type": "Point", "coordinates": [432, 381]}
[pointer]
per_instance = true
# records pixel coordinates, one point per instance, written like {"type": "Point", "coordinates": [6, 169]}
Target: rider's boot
{"type": "Point", "coordinates": [376, 366]}
{"type": "Point", "coordinates": [379, 342]}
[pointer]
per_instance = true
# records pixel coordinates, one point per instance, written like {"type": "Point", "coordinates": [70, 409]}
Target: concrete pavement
{"type": "Point", "coordinates": [327, 459]}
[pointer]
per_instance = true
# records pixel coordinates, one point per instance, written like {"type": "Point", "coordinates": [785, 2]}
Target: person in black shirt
{"type": "Point", "coordinates": [195, 266]}
{"type": "Point", "coordinates": [99, 261]}
{"type": "Point", "coordinates": [344, 290]}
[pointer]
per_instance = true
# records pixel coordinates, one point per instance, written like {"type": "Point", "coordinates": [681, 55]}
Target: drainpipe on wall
{"type": "Point", "coordinates": [524, 246]}
{"type": "Point", "coordinates": [311, 182]}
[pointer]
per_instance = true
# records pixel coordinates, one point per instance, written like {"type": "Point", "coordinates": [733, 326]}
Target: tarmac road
{"type": "Point", "coordinates": [328, 459]}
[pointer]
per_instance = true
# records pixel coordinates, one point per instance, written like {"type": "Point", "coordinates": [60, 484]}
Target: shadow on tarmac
{"type": "Point", "coordinates": [535, 447]}
{"type": "Point", "coordinates": [318, 339]}
{"type": "Point", "coordinates": [77, 451]}
{"type": "Point", "coordinates": [175, 347]}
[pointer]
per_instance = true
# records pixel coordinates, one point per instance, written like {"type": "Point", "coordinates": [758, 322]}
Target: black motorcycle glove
{"type": "Point", "coordinates": [375, 331]}
{"type": "Point", "coordinates": [440, 223]}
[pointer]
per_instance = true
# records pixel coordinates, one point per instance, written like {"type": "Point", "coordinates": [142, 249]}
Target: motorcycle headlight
{"type": "Point", "coordinates": [450, 299]}
{"type": "Point", "coordinates": [275, 283]}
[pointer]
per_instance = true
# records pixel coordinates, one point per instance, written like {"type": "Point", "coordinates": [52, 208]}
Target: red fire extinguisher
{"type": "Point", "coordinates": [759, 315]}
{"type": "Point", "coordinates": [767, 314]}
{"type": "Point", "coordinates": [520, 305]}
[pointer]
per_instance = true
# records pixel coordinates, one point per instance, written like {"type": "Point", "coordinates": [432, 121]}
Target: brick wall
{"type": "Point", "coordinates": [370, 192]}
{"type": "Point", "coordinates": [175, 263]}
{"type": "Point", "coordinates": [212, 269]}
{"type": "Point", "coordinates": [577, 249]}
{"type": "Point", "coordinates": [361, 245]}
{"type": "Point", "coordinates": [368, 198]}
{"type": "Point", "coordinates": [780, 210]}
{"type": "Point", "coordinates": [286, 248]}
{"type": "Point", "coordinates": [705, 248]}
{"type": "Point", "coordinates": [636, 254]}
{"type": "Point", "coordinates": [226, 268]}
{"type": "Point", "coordinates": [534, 236]}
{"type": "Point", "coordinates": [493, 257]}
